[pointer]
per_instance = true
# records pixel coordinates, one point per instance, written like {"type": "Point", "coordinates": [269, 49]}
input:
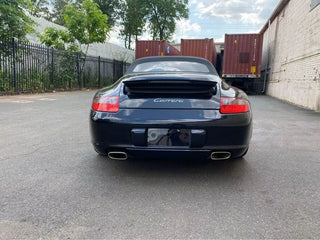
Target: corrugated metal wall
{"type": "Point", "coordinates": [150, 48]}
{"type": "Point", "coordinates": [204, 48]}
{"type": "Point", "coordinates": [242, 55]}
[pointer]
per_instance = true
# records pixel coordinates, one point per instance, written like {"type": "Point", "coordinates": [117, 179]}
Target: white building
{"type": "Point", "coordinates": [291, 53]}
{"type": "Point", "coordinates": [104, 50]}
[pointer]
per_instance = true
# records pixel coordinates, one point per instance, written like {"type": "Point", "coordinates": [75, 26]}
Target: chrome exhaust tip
{"type": "Point", "coordinates": [220, 155]}
{"type": "Point", "coordinates": [118, 156]}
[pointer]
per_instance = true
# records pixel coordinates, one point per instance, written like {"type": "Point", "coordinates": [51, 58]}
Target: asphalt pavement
{"type": "Point", "coordinates": [54, 185]}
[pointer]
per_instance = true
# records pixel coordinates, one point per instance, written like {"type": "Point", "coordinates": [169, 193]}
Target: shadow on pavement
{"type": "Point", "coordinates": [177, 169]}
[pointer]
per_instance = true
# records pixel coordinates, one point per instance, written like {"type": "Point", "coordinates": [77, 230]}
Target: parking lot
{"type": "Point", "coordinates": [53, 184]}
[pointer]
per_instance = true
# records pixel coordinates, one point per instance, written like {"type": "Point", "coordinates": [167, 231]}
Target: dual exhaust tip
{"type": "Point", "coordinates": [121, 156]}
{"type": "Point", "coordinates": [220, 155]}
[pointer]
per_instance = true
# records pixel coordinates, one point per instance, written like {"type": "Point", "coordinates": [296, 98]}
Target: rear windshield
{"type": "Point", "coordinates": [171, 66]}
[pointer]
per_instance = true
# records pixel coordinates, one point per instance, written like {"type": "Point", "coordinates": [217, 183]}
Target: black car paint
{"type": "Point", "coordinates": [176, 103]}
{"type": "Point", "coordinates": [222, 132]}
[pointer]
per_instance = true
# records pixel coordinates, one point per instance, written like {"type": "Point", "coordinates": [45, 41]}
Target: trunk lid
{"type": "Point", "coordinates": [170, 91]}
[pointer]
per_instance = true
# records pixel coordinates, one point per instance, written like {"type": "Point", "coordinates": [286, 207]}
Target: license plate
{"type": "Point", "coordinates": [168, 137]}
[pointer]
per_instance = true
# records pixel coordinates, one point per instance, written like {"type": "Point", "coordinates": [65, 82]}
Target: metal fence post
{"type": "Point", "coordinates": [78, 71]}
{"type": "Point", "coordinates": [99, 74]}
{"type": "Point", "coordinates": [114, 69]}
{"type": "Point", "coordinates": [122, 68]}
{"type": "Point", "coordinates": [52, 68]}
{"type": "Point", "coordinates": [14, 65]}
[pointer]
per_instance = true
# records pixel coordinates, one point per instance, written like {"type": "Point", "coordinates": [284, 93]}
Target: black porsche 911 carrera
{"type": "Point", "coordinates": [171, 107]}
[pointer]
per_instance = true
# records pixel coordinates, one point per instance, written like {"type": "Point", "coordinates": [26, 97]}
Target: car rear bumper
{"type": "Point", "coordinates": [116, 132]}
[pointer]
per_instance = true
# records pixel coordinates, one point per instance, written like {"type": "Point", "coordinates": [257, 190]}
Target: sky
{"type": "Point", "coordinates": [215, 18]}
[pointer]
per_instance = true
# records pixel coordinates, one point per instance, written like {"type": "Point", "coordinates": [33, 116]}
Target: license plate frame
{"type": "Point", "coordinates": [168, 137]}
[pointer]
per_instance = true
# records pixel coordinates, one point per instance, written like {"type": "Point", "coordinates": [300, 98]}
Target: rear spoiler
{"type": "Point", "coordinates": [165, 85]}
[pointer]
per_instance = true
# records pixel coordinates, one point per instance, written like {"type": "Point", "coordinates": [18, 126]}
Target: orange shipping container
{"type": "Point", "coordinates": [150, 48]}
{"type": "Point", "coordinates": [204, 48]}
{"type": "Point", "coordinates": [242, 56]}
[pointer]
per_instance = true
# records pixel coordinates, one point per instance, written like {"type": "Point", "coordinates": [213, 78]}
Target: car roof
{"type": "Point", "coordinates": [211, 68]}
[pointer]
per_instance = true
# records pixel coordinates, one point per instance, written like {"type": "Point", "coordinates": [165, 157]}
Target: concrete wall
{"type": "Point", "coordinates": [293, 50]}
{"type": "Point", "coordinates": [105, 50]}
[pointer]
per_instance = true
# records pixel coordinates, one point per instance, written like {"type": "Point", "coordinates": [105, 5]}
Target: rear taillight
{"type": "Point", "coordinates": [106, 104]}
{"type": "Point", "coordinates": [234, 105]}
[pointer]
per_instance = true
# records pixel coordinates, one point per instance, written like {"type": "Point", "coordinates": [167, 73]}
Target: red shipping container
{"type": "Point", "coordinates": [204, 48]}
{"type": "Point", "coordinates": [150, 48]}
{"type": "Point", "coordinates": [242, 56]}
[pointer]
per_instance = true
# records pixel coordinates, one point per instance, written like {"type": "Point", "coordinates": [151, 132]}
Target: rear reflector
{"type": "Point", "coordinates": [106, 104]}
{"type": "Point", "coordinates": [234, 105]}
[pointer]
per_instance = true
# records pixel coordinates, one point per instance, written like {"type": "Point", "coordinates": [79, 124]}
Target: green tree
{"type": "Point", "coordinates": [163, 15]}
{"type": "Point", "coordinates": [40, 9]}
{"type": "Point", "coordinates": [85, 25]}
{"type": "Point", "coordinates": [133, 20]}
{"type": "Point", "coordinates": [159, 15]}
{"type": "Point", "coordinates": [111, 8]}
{"type": "Point", "coordinates": [14, 21]}
{"type": "Point", "coordinates": [57, 11]}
